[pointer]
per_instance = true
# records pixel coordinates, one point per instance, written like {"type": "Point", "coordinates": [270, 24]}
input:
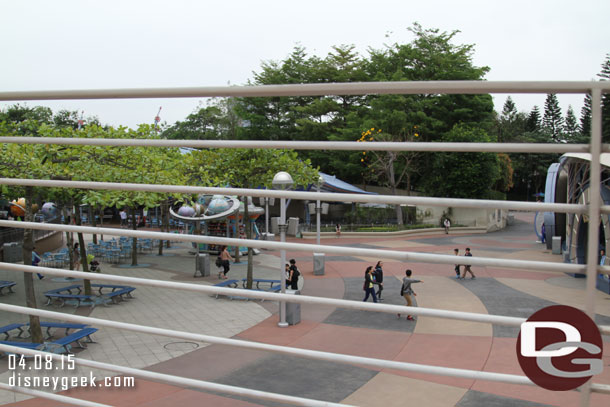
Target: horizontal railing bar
{"type": "Point", "coordinates": [600, 388]}
{"type": "Point", "coordinates": [351, 88]}
{"type": "Point", "coordinates": [299, 352]}
{"type": "Point", "coordinates": [306, 247]}
{"type": "Point", "coordinates": [46, 395]}
{"type": "Point", "coordinates": [180, 381]}
{"type": "Point", "coordinates": [300, 299]}
{"type": "Point", "coordinates": [312, 145]}
{"type": "Point", "coordinates": [302, 195]}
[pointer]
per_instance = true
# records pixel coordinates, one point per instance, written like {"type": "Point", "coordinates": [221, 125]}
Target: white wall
{"type": "Point", "coordinates": [493, 219]}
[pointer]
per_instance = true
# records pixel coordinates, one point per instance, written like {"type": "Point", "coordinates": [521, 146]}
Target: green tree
{"type": "Point", "coordinates": [389, 168]}
{"type": "Point", "coordinates": [24, 161]}
{"type": "Point", "coordinates": [275, 118]}
{"type": "Point", "coordinates": [464, 175]}
{"type": "Point", "coordinates": [604, 75]}
{"type": "Point", "coordinates": [530, 169]}
{"type": "Point", "coordinates": [585, 117]}
{"type": "Point", "coordinates": [432, 55]}
{"type": "Point", "coordinates": [35, 116]}
{"type": "Point", "coordinates": [552, 121]}
{"type": "Point", "coordinates": [510, 124]}
{"type": "Point", "coordinates": [533, 122]}
{"type": "Point", "coordinates": [129, 165]}
{"type": "Point", "coordinates": [205, 123]}
{"type": "Point", "coordinates": [570, 126]}
{"type": "Point", "coordinates": [249, 168]}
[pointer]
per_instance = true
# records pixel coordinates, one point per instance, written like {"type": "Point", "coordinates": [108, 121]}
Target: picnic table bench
{"type": "Point", "coordinates": [8, 285]}
{"type": "Point", "coordinates": [258, 281]}
{"type": "Point", "coordinates": [75, 293]}
{"type": "Point", "coordinates": [76, 337]}
{"type": "Point", "coordinates": [61, 345]}
{"type": "Point", "coordinates": [63, 325]}
{"type": "Point", "coordinates": [117, 293]}
{"type": "Point", "coordinates": [7, 328]}
{"type": "Point", "coordinates": [79, 299]}
{"type": "Point", "coordinates": [274, 286]}
{"type": "Point", "coordinates": [227, 283]}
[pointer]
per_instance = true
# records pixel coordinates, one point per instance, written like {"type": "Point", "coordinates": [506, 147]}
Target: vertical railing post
{"type": "Point", "coordinates": [594, 217]}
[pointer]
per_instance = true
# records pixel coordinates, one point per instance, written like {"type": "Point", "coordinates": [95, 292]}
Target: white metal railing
{"type": "Point", "coordinates": [286, 350]}
{"type": "Point", "coordinates": [298, 195]}
{"type": "Point", "coordinates": [312, 145]}
{"type": "Point", "coordinates": [308, 247]}
{"type": "Point", "coordinates": [352, 88]}
{"type": "Point", "coordinates": [594, 209]}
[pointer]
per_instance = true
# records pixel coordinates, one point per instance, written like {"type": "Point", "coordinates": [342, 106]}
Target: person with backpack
{"type": "Point", "coordinates": [406, 291]}
{"type": "Point", "coordinates": [378, 273]}
{"type": "Point", "coordinates": [369, 284]}
{"type": "Point", "coordinates": [294, 275]}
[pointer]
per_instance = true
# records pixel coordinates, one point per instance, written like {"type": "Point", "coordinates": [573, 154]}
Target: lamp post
{"type": "Point", "coordinates": [318, 209]}
{"type": "Point", "coordinates": [318, 258]}
{"type": "Point", "coordinates": [282, 180]}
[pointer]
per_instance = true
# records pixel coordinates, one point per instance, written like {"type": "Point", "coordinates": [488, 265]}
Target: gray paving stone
{"type": "Point", "coordinates": [474, 398]}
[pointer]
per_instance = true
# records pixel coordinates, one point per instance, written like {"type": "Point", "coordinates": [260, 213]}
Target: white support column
{"type": "Point", "coordinates": [594, 218]}
{"type": "Point", "coordinates": [282, 323]}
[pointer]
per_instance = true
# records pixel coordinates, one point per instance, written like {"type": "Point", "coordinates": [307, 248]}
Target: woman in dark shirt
{"type": "Point", "coordinates": [378, 273]}
{"type": "Point", "coordinates": [369, 284]}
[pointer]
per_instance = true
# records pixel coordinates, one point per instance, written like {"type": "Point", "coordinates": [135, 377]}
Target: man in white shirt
{"type": "Point", "coordinates": [123, 214]}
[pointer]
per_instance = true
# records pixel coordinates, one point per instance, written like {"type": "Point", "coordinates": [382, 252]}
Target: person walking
{"type": "Point", "coordinates": [338, 230]}
{"type": "Point", "coordinates": [294, 275]}
{"type": "Point", "coordinates": [369, 284]}
{"type": "Point", "coordinates": [457, 266]}
{"type": "Point", "coordinates": [447, 225]}
{"type": "Point", "coordinates": [76, 256]}
{"type": "Point", "coordinates": [467, 266]}
{"type": "Point", "coordinates": [225, 257]}
{"type": "Point", "coordinates": [406, 291]}
{"type": "Point", "coordinates": [378, 273]}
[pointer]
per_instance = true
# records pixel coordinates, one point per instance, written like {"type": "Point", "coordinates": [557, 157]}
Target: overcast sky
{"type": "Point", "coordinates": [50, 45]}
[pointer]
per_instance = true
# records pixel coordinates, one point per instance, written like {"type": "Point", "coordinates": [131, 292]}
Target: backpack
{"type": "Point", "coordinates": [218, 262]}
{"type": "Point", "coordinates": [296, 273]}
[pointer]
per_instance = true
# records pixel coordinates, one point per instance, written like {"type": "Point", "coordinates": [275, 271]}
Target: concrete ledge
{"type": "Point", "coordinates": [436, 231]}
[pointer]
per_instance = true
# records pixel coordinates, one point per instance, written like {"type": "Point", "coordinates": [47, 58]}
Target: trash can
{"type": "Point", "coordinates": [556, 245]}
{"type": "Point", "coordinates": [293, 309]}
{"type": "Point", "coordinates": [293, 226]}
{"type": "Point", "coordinates": [318, 264]}
{"type": "Point", "coordinates": [202, 264]}
{"type": "Point", "coordinates": [275, 228]}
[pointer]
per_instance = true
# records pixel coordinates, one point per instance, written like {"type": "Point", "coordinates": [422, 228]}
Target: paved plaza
{"type": "Point", "coordinates": [427, 340]}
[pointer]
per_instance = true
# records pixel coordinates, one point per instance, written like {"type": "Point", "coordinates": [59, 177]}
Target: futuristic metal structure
{"type": "Point", "coordinates": [569, 182]}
